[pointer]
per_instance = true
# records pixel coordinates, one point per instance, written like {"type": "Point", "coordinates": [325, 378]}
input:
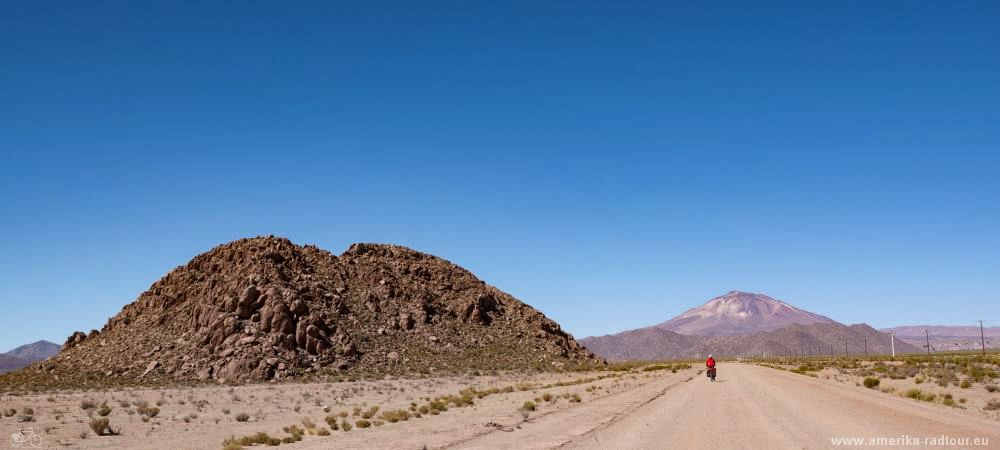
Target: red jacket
{"type": "Point", "coordinates": [710, 363]}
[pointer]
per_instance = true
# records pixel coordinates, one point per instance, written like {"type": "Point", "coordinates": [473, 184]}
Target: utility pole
{"type": "Point", "coordinates": [892, 342]}
{"type": "Point", "coordinates": [866, 347]}
{"type": "Point", "coordinates": [846, 355]}
{"type": "Point", "coordinates": [928, 337]}
{"type": "Point", "coordinates": [982, 337]}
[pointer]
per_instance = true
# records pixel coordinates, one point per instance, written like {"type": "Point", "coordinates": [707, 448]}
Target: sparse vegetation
{"type": "Point", "coordinates": [102, 427]}
{"type": "Point", "coordinates": [871, 382]}
{"type": "Point", "coordinates": [242, 417]}
{"type": "Point", "coordinates": [396, 415]}
{"type": "Point", "coordinates": [257, 438]}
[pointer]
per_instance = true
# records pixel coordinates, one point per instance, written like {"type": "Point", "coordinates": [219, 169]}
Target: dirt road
{"type": "Point", "coordinates": [748, 407]}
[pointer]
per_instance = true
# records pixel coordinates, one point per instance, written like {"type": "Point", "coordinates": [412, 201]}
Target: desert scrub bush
{"type": "Point", "coordinates": [87, 403]}
{"type": "Point", "coordinates": [331, 420]}
{"type": "Point", "coordinates": [528, 406]}
{"type": "Point", "coordinates": [913, 393]}
{"type": "Point", "coordinates": [9, 412]}
{"type": "Point", "coordinates": [102, 427]}
{"type": "Point", "coordinates": [992, 405]}
{"type": "Point", "coordinates": [396, 415]}
{"type": "Point", "coordinates": [965, 384]}
{"type": "Point", "coordinates": [979, 373]}
{"type": "Point", "coordinates": [575, 398]}
{"type": "Point", "coordinates": [370, 412]}
{"type": "Point", "coordinates": [296, 434]}
{"type": "Point", "coordinates": [345, 425]}
{"type": "Point", "coordinates": [257, 438]}
{"type": "Point", "coordinates": [104, 410]}
{"type": "Point", "coordinates": [242, 417]}
{"type": "Point", "coordinates": [363, 423]}
{"type": "Point", "coordinates": [992, 388]}
{"type": "Point", "coordinates": [144, 409]}
{"type": "Point", "coordinates": [547, 397]}
{"type": "Point", "coordinates": [871, 382]}
{"type": "Point", "coordinates": [436, 407]}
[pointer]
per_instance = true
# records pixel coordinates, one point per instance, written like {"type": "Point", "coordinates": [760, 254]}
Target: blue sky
{"type": "Point", "coordinates": [609, 164]}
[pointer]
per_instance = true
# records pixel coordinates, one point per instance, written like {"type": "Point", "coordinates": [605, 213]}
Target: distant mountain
{"type": "Point", "coordinates": [27, 354]}
{"type": "Point", "coordinates": [10, 363]}
{"type": "Point", "coordinates": [739, 313]}
{"type": "Point", "coordinates": [945, 337]}
{"type": "Point", "coordinates": [743, 324]}
{"type": "Point", "coordinates": [36, 351]}
{"type": "Point", "coordinates": [814, 339]}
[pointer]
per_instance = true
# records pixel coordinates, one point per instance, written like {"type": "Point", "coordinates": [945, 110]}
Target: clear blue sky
{"type": "Point", "coordinates": [611, 165]}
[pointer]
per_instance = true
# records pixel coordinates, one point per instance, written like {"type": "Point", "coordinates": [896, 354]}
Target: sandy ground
{"type": "Point", "coordinates": [202, 418]}
{"type": "Point", "coordinates": [748, 407]}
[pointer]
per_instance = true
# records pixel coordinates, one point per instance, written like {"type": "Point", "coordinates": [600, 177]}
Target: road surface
{"type": "Point", "coordinates": [748, 407]}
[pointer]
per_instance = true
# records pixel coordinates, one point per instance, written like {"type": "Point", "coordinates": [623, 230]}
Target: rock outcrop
{"type": "Point", "coordinates": [266, 309]}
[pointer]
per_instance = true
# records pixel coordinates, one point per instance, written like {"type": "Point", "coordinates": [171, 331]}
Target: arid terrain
{"type": "Point", "coordinates": [750, 406]}
{"type": "Point", "coordinates": [262, 342]}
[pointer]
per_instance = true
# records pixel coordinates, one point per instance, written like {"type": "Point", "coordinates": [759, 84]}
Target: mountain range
{"type": "Point", "coordinates": [26, 354]}
{"type": "Point", "coordinates": [744, 324]}
{"type": "Point", "coordinates": [947, 337]}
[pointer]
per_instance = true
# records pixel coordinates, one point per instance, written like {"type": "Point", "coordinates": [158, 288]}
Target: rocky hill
{"type": "Point", "coordinates": [266, 309]}
{"type": "Point", "coordinates": [738, 313]}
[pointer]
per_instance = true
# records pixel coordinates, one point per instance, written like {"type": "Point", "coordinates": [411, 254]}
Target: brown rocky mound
{"type": "Point", "coordinates": [264, 309]}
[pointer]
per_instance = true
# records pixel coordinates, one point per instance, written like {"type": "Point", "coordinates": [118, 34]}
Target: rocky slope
{"type": "Point", "coordinates": [267, 309]}
{"type": "Point", "coordinates": [737, 313]}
